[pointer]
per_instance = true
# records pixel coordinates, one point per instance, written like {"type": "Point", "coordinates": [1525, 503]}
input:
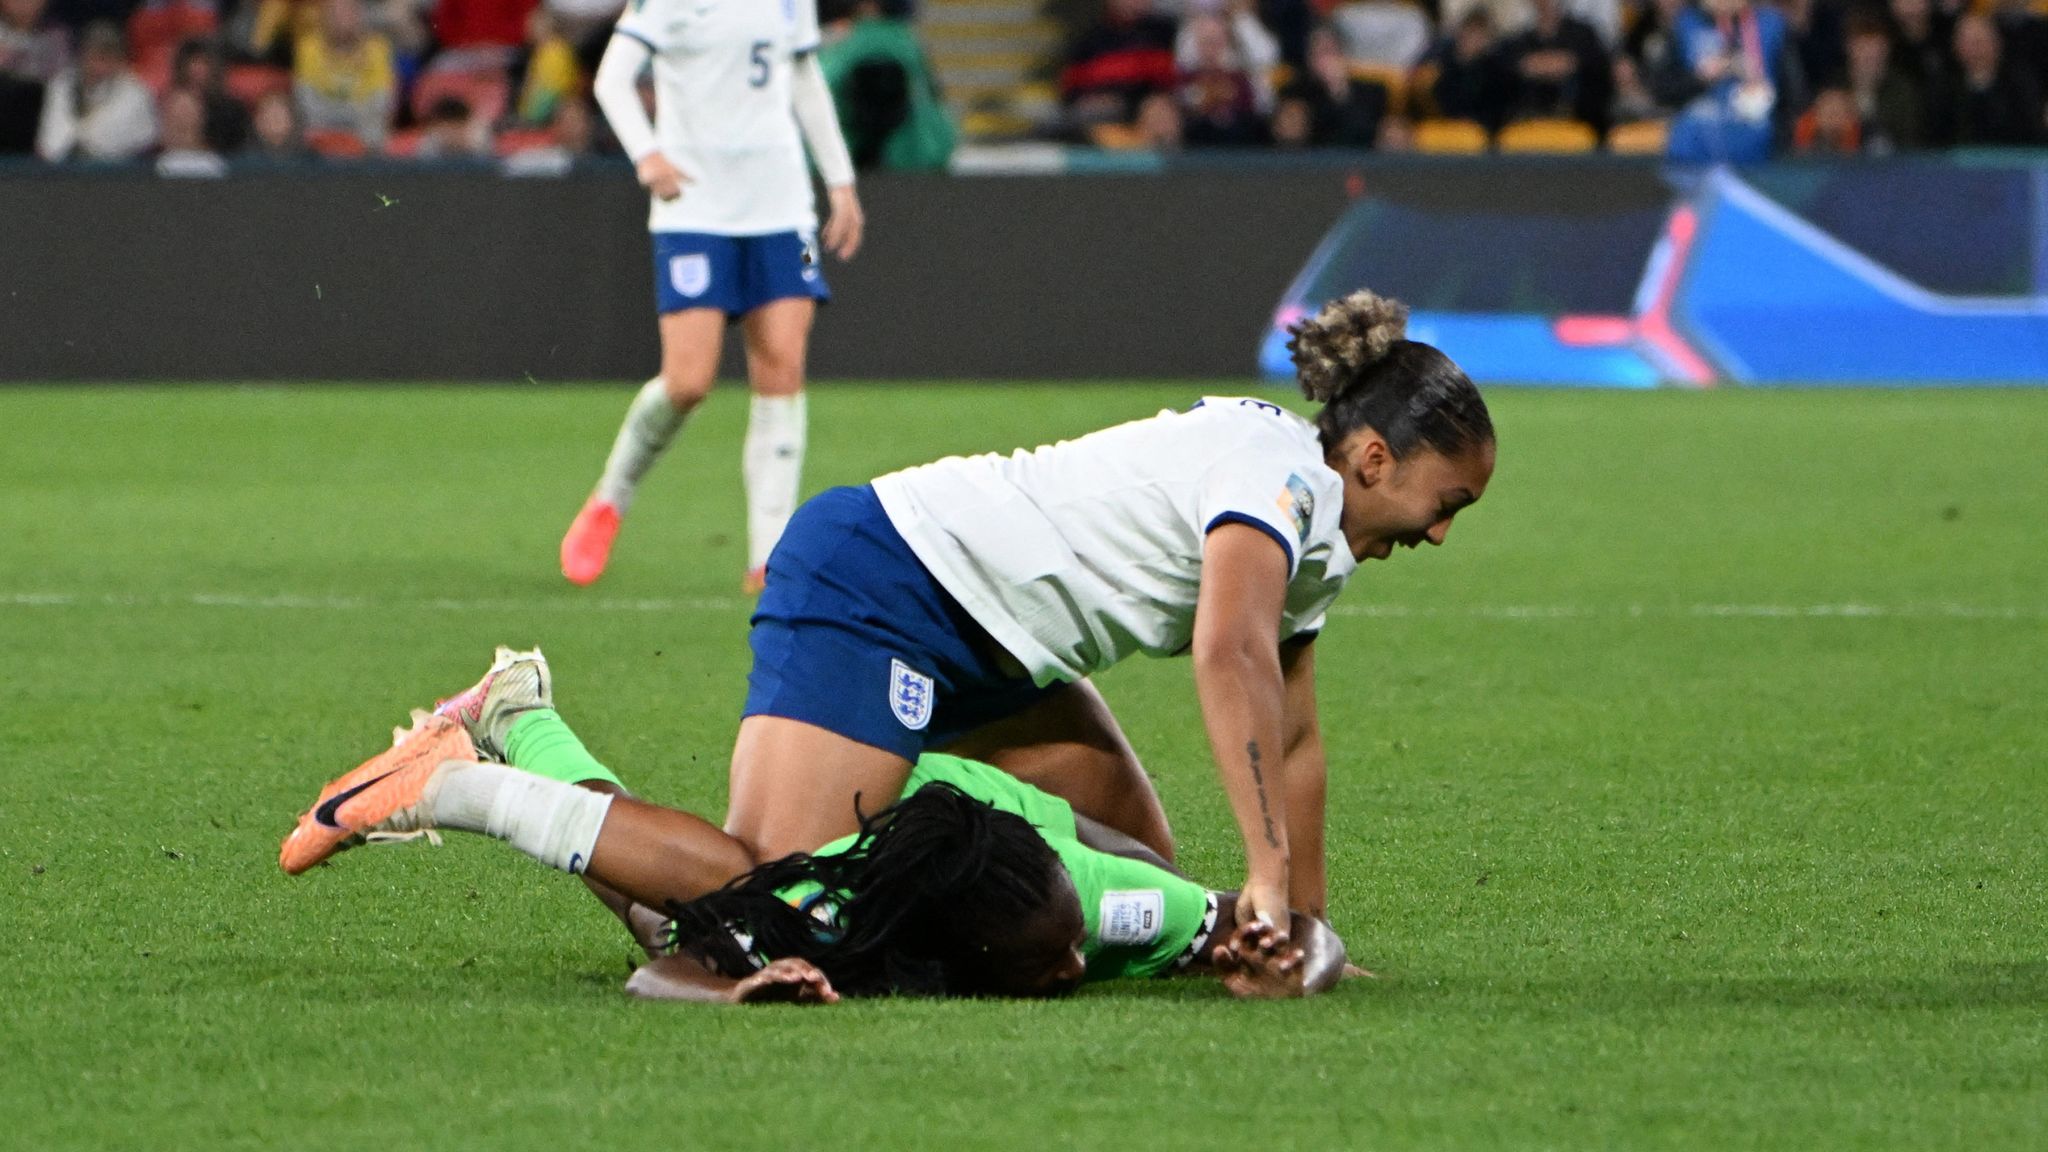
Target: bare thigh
{"type": "Point", "coordinates": [778, 336]}
{"type": "Point", "coordinates": [691, 341]}
{"type": "Point", "coordinates": [794, 785]}
{"type": "Point", "coordinates": [1069, 744]}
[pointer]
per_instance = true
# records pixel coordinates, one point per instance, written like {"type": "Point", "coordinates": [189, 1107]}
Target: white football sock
{"type": "Point", "coordinates": [555, 823]}
{"type": "Point", "coordinates": [651, 422]}
{"type": "Point", "coordinates": [773, 464]}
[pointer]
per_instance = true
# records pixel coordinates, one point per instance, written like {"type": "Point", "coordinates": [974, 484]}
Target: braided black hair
{"type": "Point", "coordinates": [1353, 357]}
{"type": "Point", "coordinates": [926, 895]}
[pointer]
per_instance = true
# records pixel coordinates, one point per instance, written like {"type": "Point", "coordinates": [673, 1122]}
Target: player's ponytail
{"type": "Point", "coordinates": [1354, 359]}
{"type": "Point", "coordinates": [927, 897]}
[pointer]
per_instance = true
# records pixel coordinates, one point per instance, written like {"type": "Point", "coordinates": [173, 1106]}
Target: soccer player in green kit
{"type": "Point", "coordinates": [973, 883]}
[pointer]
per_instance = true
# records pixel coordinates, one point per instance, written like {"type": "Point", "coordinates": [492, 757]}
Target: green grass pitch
{"type": "Point", "coordinates": [1692, 798]}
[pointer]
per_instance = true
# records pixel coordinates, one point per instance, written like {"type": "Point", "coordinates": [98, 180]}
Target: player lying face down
{"type": "Point", "coordinates": [942, 893]}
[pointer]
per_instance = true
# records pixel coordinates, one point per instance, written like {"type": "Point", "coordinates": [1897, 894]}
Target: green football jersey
{"type": "Point", "coordinates": [1141, 919]}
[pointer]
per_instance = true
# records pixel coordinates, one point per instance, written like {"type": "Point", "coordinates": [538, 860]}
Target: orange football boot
{"type": "Point", "coordinates": [588, 544]}
{"type": "Point", "coordinates": [322, 831]}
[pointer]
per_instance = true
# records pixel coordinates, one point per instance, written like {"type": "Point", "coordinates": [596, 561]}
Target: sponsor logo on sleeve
{"type": "Point", "coordinates": [910, 695]}
{"type": "Point", "coordinates": [1134, 917]}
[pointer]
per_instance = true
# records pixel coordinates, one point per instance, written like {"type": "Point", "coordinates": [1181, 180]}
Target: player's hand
{"type": "Point", "coordinates": [1257, 963]}
{"type": "Point", "coordinates": [660, 177]}
{"type": "Point", "coordinates": [846, 224]}
{"type": "Point", "coordinates": [787, 981]}
{"type": "Point", "coordinates": [1261, 901]}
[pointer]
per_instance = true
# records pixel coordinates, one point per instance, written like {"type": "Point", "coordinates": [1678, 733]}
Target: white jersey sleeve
{"type": "Point", "coordinates": [805, 36]}
{"type": "Point", "coordinates": [1267, 494]}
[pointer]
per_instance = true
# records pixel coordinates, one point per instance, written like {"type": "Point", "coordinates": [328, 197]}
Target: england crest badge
{"type": "Point", "coordinates": [690, 274]}
{"type": "Point", "coordinates": [910, 695]}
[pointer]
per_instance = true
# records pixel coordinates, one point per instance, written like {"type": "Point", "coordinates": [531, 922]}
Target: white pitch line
{"type": "Point", "coordinates": [688, 604]}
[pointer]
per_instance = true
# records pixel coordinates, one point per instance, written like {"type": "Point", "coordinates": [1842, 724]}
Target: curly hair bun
{"type": "Point", "coordinates": [1332, 347]}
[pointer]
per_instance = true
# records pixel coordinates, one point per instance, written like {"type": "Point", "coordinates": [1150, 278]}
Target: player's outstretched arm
{"type": "Point", "coordinates": [788, 981]}
{"type": "Point", "coordinates": [1239, 681]}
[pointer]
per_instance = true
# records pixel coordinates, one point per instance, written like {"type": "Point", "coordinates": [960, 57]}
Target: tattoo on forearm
{"type": "Point", "coordinates": [1251, 749]}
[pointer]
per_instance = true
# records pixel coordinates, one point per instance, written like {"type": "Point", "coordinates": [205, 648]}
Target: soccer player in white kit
{"type": "Point", "coordinates": [738, 95]}
{"type": "Point", "coordinates": [960, 606]}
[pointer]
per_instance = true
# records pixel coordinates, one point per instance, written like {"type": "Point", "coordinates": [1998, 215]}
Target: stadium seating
{"type": "Point", "coordinates": [1639, 138]}
{"type": "Point", "coordinates": [517, 140]}
{"type": "Point", "coordinates": [1450, 137]}
{"type": "Point", "coordinates": [337, 144]}
{"type": "Point", "coordinates": [1557, 137]}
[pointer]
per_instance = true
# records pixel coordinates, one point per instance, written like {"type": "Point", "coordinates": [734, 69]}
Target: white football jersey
{"type": "Point", "coordinates": [722, 111]}
{"type": "Point", "coordinates": [1078, 554]}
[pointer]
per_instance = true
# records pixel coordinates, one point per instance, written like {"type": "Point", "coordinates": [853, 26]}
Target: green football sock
{"type": "Point", "coordinates": [541, 743]}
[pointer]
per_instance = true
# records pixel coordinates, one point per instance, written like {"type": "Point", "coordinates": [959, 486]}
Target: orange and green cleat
{"type": "Point", "coordinates": [588, 544]}
{"type": "Point", "coordinates": [755, 580]}
{"type": "Point", "coordinates": [326, 829]}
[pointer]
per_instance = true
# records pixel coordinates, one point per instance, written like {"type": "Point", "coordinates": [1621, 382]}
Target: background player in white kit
{"type": "Point", "coordinates": [738, 96]}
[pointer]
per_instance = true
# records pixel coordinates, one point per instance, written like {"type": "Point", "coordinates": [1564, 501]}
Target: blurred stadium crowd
{"type": "Point", "coordinates": [1733, 80]}
{"type": "Point", "coordinates": [189, 85]}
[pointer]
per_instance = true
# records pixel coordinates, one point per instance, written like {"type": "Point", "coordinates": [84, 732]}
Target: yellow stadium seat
{"type": "Point", "coordinates": [1450, 137]}
{"type": "Point", "coordinates": [1557, 136]}
{"type": "Point", "coordinates": [1640, 138]}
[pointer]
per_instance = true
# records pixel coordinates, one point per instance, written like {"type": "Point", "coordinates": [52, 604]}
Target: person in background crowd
{"type": "Point", "coordinates": [1340, 110]}
{"type": "Point", "coordinates": [275, 134]}
{"type": "Point", "coordinates": [1216, 94]}
{"type": "Point", "coordinates": [1159, 123]}
{"type": "Point", "coordinates": [1819, 36]}
{"type": "Point", "coordinates": [547, 69]}
{"type": "Point", "coordinates": [1293, 126]}
{"type": "Point", "coordinates": [570, 135]}
{"type": "Point", "coordinates": [198, 70]}
{"type": "Point", "coordinates": [449, 131]}
{"type": "Point", "coordinates": [1830, 127]}
{"type": "Point", "coordinates": [1651, 78]}
{"type": "Point", "coordinates": [1250, 48]}
{"type": "Point", "coordinates": [1558, 68]}
{"type": "Point", "coordinates": [1740, 56]}
{"type": "Point", "coordinates": [1920, 43]}
{"type": "Point", "coordinates": [478, 33]}
{"type": "Point", "coordinates": [344, 76]}
{"type": "Point", "coordinates": [889, 106]}
{"type": "Point", "coordinates": [1382, 33]}
{"type": "Point", "coordinates": [1472, 80]}
{"type": "Point", "coordinates": [1891, 109]}
{"type": "Point", "coordinates": [1989, 102]}
{"type": "Point", "coordinates": [76, 14]}
{"type": "Point", "coordinates": [587, 24]}
{"type": "Point", "coordinates": [186, 152]}
{"type": "Point", "coordinates": [1114, 65]}
{"type": "Point", "coordinates": [97, 109]}
{"type": "Point", "coordinates": [2025, 36]}
{"type": "Point", "coordinates": [1290, 22]}
{"type": "Point", "coordinates": [266, 31]}
{"type": "Point", "coordinates": [33, 51]}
